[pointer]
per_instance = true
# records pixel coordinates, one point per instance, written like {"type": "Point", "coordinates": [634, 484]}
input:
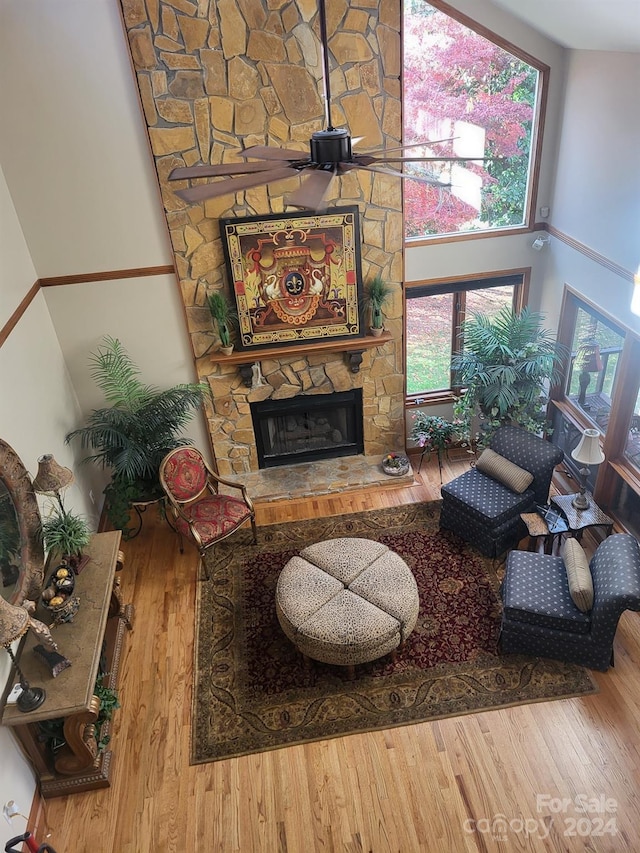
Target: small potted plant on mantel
{"type": "Point", "coordinates": [225, 316]}
{"type": "Point", "coordinates": [377, 294]}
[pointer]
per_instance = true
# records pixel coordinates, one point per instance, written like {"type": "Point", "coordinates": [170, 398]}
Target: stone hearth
{"type": "Point", "coordinates": [328, 476]}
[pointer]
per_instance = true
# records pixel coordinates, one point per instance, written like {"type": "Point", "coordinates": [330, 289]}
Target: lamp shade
{"type": "Point", "coordinates": [51, 477]}
{"type": "Point", "coordinates": [588, 450]}
{"type": "Point", "coordinates": [14, 621]}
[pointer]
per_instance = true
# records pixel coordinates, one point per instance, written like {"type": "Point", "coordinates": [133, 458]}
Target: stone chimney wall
{"type": "Point", "coordinates": [217, 77]}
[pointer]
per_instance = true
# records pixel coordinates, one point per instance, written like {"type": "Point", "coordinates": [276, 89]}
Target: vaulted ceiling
{"type": "Point", "coordinates": [582, 24]}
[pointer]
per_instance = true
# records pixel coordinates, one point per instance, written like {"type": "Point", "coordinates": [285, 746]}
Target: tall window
{"type": "Point", "coordinates": [601, 388]}
{"type": "Point", "coordinates": [481, 98]}
{"type": "Point", "coordinates": [434, 316]}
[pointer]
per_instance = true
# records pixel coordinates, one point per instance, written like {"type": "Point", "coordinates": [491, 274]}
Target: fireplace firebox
{"type": "Point", "coordinates": [307, 428]}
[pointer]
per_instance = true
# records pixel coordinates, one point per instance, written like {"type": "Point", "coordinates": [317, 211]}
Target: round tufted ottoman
{"type": "Point", "coordinates": [347, 601]}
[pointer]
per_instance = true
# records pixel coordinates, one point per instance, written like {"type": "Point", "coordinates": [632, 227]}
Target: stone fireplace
{"type": "Point", "coordinates": [217, 76]}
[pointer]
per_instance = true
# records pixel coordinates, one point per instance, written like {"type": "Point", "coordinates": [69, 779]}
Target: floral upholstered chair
{"type": "Point", "coordinates": [200, 513]}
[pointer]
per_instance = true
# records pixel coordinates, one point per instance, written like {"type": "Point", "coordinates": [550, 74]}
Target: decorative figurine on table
{"type": "Point", "coordinates": [47, 648]}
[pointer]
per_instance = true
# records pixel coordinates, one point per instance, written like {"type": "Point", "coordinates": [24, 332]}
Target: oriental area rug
{"type": "Point", "coordinates": [252, 691]}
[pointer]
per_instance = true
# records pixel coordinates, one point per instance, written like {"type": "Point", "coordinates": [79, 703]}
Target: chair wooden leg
{"type": "Point", "coordinates": [204, 565]}
{"type": "Point", "coordinates": [255, 532]}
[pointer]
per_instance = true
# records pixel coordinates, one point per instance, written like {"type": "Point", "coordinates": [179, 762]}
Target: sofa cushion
{"type": "Point", "coordinates": [489, 501]}
{"type": "Point", "coordinates": [504, 471]}
{"type": "Point", "coordinates": [578, 574]}
{"type": "Point", "coordinates": [535, 591]}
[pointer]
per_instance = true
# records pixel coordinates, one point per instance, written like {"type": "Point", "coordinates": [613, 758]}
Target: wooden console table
{"type": "Point", "coordinates": [93, 644]}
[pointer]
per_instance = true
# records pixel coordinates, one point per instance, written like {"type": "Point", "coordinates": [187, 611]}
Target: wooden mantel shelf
{"type": "Point", "coordinates": [353, 347]}
{"type": "Point", "coordinates": [249, 356]}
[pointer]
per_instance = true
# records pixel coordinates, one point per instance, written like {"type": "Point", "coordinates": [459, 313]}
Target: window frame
{"type": "Point", "coordinates": [616, 464]}
{"type": "Point", "coordinates": [518, 278]}
{"type": "Point", "coordinates": [537, 133]}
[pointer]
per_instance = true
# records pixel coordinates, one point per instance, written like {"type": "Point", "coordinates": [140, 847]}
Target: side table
{"type": "Point", "coordinates": [538, 528]}
{"type": "Point", "coordinates": [580, 519]}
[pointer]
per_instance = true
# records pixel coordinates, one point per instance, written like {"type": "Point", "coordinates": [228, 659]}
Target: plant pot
{"type": "Point", "coordinates": [376, 331]}
{"type": "Point", "coordinates": [395, 467]}
{"type": "Point", "coordinates": [226, 350]}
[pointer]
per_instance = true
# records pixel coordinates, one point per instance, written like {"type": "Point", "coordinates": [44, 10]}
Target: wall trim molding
{"type": "Point", "coordinates": [107, 275]}
{"type": "Point", "coordinates": [80, 278]}
{"type": "Point", "coordinates": [14, 319]}
{"type": "Point", "coordinates": [612, 266]}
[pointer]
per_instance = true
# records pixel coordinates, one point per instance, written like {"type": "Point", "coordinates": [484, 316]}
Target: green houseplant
{"type": "Point", "coordinates": [377, 293]}
{"type": "Point", "coordinates": [224, 315]}
{"type": "Point", "coordinates": [504, 369]}
{"type": "Point", "coordinates": [131, 436]}
{"type": "Point", "coordinates": [66, 534]}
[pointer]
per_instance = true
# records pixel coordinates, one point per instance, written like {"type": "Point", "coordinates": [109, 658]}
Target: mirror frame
{"type": "Point", "coordinates": [18, 483]}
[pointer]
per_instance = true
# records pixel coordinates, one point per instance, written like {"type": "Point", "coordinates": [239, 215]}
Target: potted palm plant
{"type": "Point", "coordinates": [131, 436]}
{"type": "Point", "coordinates": [377, 293]}
{"type": "Point", "coordinates": [504, 370]}
{"type": "Point", "coordinates": [225, 317]}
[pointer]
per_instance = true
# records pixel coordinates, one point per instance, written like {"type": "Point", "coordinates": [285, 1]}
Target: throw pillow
{"type": "Point", "coordinates": [504, 471]}
{"type": "Point", "coordinates": [578, 574]}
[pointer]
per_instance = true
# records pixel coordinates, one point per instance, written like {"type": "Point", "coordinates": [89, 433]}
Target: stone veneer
{"type": "Point", "coordinates": [217, 77]}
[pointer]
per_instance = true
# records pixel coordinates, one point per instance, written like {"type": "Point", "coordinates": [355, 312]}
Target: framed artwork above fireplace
{"type": "Point", "coordinates": [295, 277]}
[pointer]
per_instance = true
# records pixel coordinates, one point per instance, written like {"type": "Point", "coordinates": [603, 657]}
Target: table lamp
{"type": "Point", "coordinates": [52, 478]}
{"type": "Point", "coordinates": [14, 622]}
{"type": "Point", "coordinates": [586, 453]}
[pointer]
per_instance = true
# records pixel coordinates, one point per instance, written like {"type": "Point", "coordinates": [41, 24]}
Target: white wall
{"type": "Point", "coordinates": [72, 141]}
{"type": "Point", "coordinates": [37, 406]}
{"type": "Point", "coordinates": [597, 188]}
{"type": "Point", "coordinates": [597, 195]}
{"type": "Point", "coordinates": [145, 314]}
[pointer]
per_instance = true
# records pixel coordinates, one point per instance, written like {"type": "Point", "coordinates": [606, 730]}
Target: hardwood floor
{"type": "Point", "coordinates": [490, 781]}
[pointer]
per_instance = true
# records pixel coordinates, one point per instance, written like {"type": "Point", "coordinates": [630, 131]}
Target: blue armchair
{"type": "Point", "coordinates": [486, 513]}
{"type": "Point", "coordinates": [539, 615]}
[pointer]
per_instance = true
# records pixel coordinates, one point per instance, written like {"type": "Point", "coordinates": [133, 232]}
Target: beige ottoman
{"type": "Point", "coordinates": [347, 601]}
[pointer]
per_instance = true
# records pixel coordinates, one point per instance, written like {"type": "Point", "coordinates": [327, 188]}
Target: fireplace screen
{"type": "Point", "coordinates": [303, 429]}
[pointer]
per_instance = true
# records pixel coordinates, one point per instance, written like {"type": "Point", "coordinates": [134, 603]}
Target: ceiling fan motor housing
{"type": "Point", "coordinates": [331, 146]}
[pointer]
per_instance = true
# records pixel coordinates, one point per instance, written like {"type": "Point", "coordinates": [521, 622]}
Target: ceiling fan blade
{"type": "Point", "coordinates": [313, 190]}
{"type": "Point", "coordinates": [266, 153]}
{"type": "Point", "coordinates": [234, 185]}
{"type": "Point", "coordinates": [428, 159]}
{"type": "Point", "coordinates": [206, 171]}
{"type": "Point", "coordinates": [392, 172]}
{"type": "Point", "coordinates": [427, 142]}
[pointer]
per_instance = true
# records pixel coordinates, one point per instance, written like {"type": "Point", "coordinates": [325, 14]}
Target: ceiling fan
{"type": "Point", "coordinates": [330, 155]}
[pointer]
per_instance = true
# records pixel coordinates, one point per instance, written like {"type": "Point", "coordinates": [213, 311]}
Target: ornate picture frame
{"type": "Point", "coordinates": [295, 277]}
